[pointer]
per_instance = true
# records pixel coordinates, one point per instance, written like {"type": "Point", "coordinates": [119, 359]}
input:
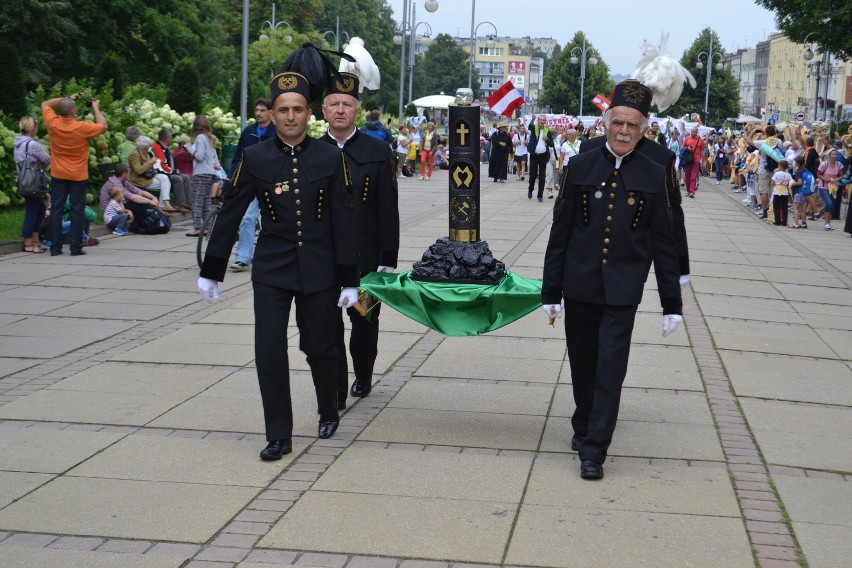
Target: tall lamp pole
{"type": "Point", "coordinates": [273, 25]}
{"type": "Point", "coordinates": [336, 35]}
{"type": "Point", "coordinates": [582, 59]}
{"type": "Point", "coordinates": [244, 67]}
{"type": "Point", "coordinates": [408, 27]}
{"type": "Point", "coordinates": [489, 43]}
{"type": "Point", "coordinates": [708, 57]}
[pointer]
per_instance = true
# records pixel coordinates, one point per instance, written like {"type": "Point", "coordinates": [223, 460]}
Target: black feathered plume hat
{"type": "Point", "coordinates": [308, 71]}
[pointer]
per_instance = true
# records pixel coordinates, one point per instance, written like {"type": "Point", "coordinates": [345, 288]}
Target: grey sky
{"type": "Point", "coordinates": [616, 28]}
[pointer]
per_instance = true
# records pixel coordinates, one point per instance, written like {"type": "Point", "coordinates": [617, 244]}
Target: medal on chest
{"type": "Point", "coordinates": [282, 187]}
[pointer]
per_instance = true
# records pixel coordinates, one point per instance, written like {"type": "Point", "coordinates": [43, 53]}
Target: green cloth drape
{"type": "Point", "coordinates": [456, 309]}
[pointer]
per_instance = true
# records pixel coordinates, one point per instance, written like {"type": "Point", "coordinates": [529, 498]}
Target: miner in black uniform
{"type": "Point", "coordinates": [369, 174]}
{"type": "Point", "coordinates": [306, 251]}
{"type": "Point", "coordinates": [666, 158]}
{"type": "Point", "coordinates": [610, 223]}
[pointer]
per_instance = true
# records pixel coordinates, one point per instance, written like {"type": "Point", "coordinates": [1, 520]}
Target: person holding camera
{"type": "Point", "coordinates": [69, 145]}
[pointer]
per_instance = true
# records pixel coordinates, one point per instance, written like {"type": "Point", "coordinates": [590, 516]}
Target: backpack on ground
{"type": "Point", "coordinates": [153, 222]}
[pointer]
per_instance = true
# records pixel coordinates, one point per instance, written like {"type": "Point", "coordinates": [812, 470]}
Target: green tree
{"type": "Point", "coordinates": [829, 22]}
{"type": "Point", "coordinates": [561, 83]}
{"type": "Point", "coordinates": [12, 95]}
{"type": "Point", "coordinates": [443, 68]}
{"type": "Point", "coordinates": [724, 89]}
{"type": "Point", "coordinates": [184, 88]}
{"type": "Point", "coordinates": [110, 70]}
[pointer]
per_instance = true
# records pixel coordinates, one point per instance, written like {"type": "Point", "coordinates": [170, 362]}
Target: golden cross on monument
{"type": "Point", "coordinates": [462, 130]}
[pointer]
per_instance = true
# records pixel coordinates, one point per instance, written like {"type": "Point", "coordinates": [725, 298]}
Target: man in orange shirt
{"type": "Point", "coordinates": [69, 150]}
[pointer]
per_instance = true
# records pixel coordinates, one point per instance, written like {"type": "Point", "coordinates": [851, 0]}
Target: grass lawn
{"type": "Point", "coordinates": [11, 222]}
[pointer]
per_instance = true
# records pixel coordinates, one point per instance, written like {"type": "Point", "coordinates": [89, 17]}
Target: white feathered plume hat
{"type": "Point", "coordinates": [361, 64]}
{"type": "Point", "coordinates": [662, 73]}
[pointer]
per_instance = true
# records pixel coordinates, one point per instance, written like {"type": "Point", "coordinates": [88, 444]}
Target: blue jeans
{"type": "Point", "coordinates": [246, 244]}
{"type": "Point", "coordinates": [60, 189]}
{"type": "Point", "coordinates": [33, 216]}
{"type": "Point", "coordinates": [827, 199]}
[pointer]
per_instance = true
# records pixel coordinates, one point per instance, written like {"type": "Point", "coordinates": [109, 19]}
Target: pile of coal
{"type": "Point", "coordinates": [452, 261]}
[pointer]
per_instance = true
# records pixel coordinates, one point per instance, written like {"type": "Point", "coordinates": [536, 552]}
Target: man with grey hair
{"type": "Point", "coordinates": [69, 148]}
{"type": "Point", "coordinates": [610, 223]}
{"type": "Point", "coordinates": [369, 171]}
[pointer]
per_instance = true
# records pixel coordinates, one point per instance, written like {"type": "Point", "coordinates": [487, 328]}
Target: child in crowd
{"type": "Point", "coordinates": [808, 186]}
{"type": "Point", "coordinates": [115, 214]}
{"type": "Point", "coordinates": [800, 205]}
{"type": "Point", "coordinates": [781, 192]}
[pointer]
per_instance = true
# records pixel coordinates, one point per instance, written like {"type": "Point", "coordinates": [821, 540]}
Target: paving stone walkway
{"type": "Point", "coordinates": [130, 417]}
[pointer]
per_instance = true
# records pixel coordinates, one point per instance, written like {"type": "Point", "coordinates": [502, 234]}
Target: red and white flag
{"type": "Point", "coordinates": [506, 99]}
{"type": "Point", "coordinates": [601, 102]}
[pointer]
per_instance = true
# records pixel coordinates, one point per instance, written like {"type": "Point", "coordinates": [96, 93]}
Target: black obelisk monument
{"type": "Point", "coordinates": [462, 257]}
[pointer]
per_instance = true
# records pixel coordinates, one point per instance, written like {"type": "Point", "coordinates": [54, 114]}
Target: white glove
{"type": "Point", "coordinates": [670, 323]}
{"type": "Point", "coordinates": [209, 289]}
{"type": "Point", "coordinates": [385, 269]}
{"type": "Point", "coordinates": [684, 280]}
{"type": "Point", "coordinates": [348, 297]}
{"type": "Point", "coordinates": [552, 310]}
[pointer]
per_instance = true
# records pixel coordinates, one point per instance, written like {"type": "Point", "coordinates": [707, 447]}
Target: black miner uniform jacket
{"type": "Point", "coordinates": [369, 174]}
{"type": "Point", "coordinates": [309, 237]}
{"type": "Point", "coordinates": [666, 158]}
{"type": "Point", "coordinates": [608, 227]}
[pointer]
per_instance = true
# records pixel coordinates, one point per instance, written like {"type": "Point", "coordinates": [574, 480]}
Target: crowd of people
{"type": "Point", "coordinates": [150, 175]}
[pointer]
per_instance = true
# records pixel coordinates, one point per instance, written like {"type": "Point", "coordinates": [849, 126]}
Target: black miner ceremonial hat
{"type": "Point", "coordinates": [289, 82]}
{"type": "Point", "coordinates": [308, 71]}
{"type": "Point", "coordinates": [344, 84]}
{"type": "Point", "coordinates": [633, 94]}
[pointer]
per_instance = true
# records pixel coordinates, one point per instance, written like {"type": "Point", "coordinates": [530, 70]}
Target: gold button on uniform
{"type": "Point", "coordinates": [296, 191]}
{"type": "Point", "coordinates": [298, 223]}
{"type": "Point", "coordinates": [605, 251]}
{"type": "Point", "coordinates": [295, 171]}
{"type": "Point", "coordinates": [609, 217]}
{"type": "Point", "coordinates": [614, 184]}
{"type": "Point", "coordinates": [612, 196]}
{"type": "Point", "coordinates": [298, 213]}
{"type": "Point", "coordinates": [298, 233]}
{"type": "Point", "coordinates": [300, 244]}
{"type": "Point", "coordinates": [606, 241]}
{"type": "Point", "coordinates": [604, 260]}
{"type": "Point", "coordinates": [610, 206]}
{"type": "Point", "coordinates": [295, 160]}
{"type": "Point", "coordinates": [298, 202]}
{"type": "Point", "coordinates": [296, 180]}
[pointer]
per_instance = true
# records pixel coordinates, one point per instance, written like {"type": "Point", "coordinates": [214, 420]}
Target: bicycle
{"type": "Point", "coordinates": [207, 229]}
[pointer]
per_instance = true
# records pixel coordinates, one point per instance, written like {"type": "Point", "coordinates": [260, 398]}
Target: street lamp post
{"type": "Point", "coordinates": [408, 27]}
{"type": "Point", "coordinates": [582, 60]}
{"type": "Point", "coordinates": [708, 57]}
{"type": "Point", "coordinates": [336, 35]}
{"type": "Point", "coordinates": [273, 25]}
{"type": "Point", "coordinates": [816, 67]}
{"type": "Point", "coordinates": [489, 43]}
{"type": "Point", "coordinates": [244, 67]}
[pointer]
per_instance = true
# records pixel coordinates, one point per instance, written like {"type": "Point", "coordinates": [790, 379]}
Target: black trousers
{"type": "Point", "coordinates": [538, 170]}
{"type": "Point", "coordinates": [317, 315]}
{"type": "Point", "coordinates": [779, 206]}
{"type": "Point", "coordinates": [598, 339]}
{"type": "Point", "coordinates": [60, 189]}
{"type": "Point", "coordinates": [363, 348]}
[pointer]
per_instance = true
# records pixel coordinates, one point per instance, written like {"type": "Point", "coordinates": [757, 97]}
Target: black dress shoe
{"type": "Point", "coordinates": [327, 429]}
{"type": "Point", "coordinates": [276, 449]}
{"type": "Point", "coordinates": [529, 194]}
{"type": "Point", "coordinates": [591, 470]}
{"type": "Point", "coordinates": [360, 389]}
{"type": "Point", "coordinates": [576, 442]}
{"type": "Point", "coordinates": [540, 200]}
{"type": "Point", "coordinates": [78, 252]}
